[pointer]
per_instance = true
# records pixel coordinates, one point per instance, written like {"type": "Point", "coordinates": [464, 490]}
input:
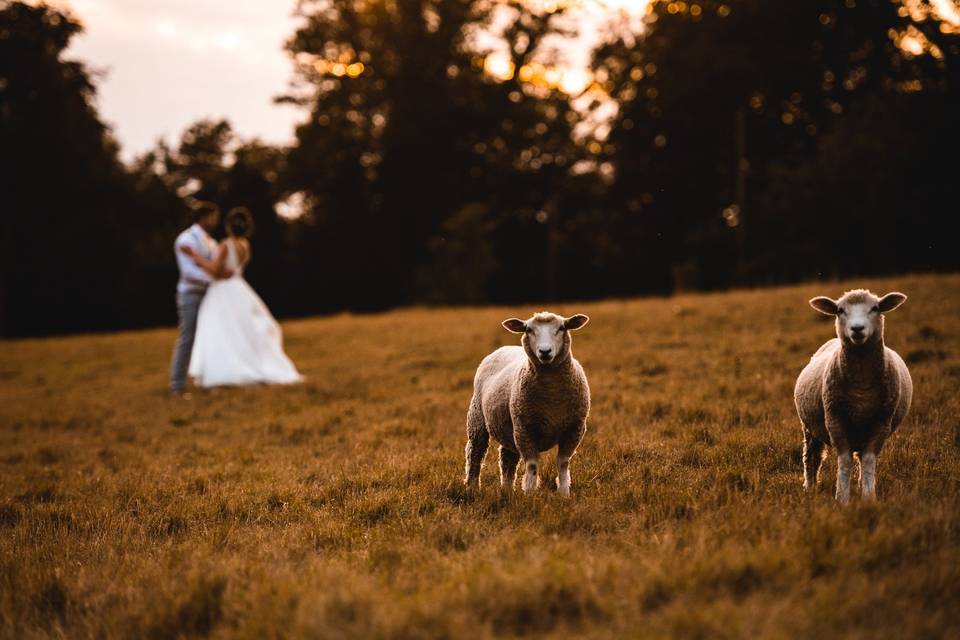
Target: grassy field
{"type": "Point", "coordinates": [335, 509]}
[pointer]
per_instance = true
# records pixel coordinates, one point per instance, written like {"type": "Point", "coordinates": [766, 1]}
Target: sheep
{"type": "Point", "coordinates": [529, 399]}
{"type": "Point", "coordinates": [854, 392]}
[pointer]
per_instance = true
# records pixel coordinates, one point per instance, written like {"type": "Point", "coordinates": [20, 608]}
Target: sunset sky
{"type": "Point", "coordinates": [167, 63]}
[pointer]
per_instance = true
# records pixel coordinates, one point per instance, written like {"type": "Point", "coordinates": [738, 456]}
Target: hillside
{"type": "Point", "coordinates": [335, 509]}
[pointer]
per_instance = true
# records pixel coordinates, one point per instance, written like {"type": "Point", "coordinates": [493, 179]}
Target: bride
{"type": "Point", "coordinates": [237, 341]}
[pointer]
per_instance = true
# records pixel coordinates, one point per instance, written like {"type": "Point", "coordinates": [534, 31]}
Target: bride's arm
{"type": "Point", "coordinates": [214, 267]}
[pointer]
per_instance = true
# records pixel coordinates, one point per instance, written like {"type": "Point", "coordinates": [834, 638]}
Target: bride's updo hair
{"type": "Point", "coordinates": [239, 222]}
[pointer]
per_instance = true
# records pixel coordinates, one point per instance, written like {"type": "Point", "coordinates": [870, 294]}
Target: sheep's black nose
{"type": "Point", "coordinates": [857, 328]}
{"type": "Point", "coordinates": [545, 352]}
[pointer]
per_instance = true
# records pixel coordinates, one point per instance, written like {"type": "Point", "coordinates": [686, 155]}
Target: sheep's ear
{"type": "Point", "coordinates": [515, 325]}
{"type": "Point", "coordinates": [575, 322]}
{"type": "Point", "coordinates": [823, 304]}
{"type": "Point", "coordinates": [891, 301]}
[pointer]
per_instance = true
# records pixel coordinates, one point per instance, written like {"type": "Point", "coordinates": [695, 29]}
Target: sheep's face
{"type": "Point", "coordinates": [859, 314]}
{"type": "Point", "coordinates": [546, 336]}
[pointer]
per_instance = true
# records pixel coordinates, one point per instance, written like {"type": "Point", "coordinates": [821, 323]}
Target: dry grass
{"type": "Point", "coordinates": [335, 509]}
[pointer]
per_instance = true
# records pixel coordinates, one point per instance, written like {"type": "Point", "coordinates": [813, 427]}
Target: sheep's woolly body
{"type": "Point", "coordinates": [528, 408]}
{"type": "Point", "coordinates": [866, 394]}
{"type": "Point", "coordinates": [852, 397]}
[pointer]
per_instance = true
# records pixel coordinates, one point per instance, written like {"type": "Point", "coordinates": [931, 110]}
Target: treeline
{"type": "Point", "coordinates": [753, 142]}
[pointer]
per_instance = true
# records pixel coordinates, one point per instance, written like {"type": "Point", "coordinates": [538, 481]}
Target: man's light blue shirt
{"type": "Point", "coordinates": [192, 276]}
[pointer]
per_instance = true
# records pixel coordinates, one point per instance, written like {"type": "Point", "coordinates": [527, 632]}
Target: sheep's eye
{"type": "Point", "coordinates": [875, 309]}
{"type": "Point", "coordinates": [840, 312]}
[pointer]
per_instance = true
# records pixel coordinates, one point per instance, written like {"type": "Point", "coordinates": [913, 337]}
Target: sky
{"type": "Point", "coordinates": [168, 63]}
{"type": "Point", "coordinates": [165, 64]}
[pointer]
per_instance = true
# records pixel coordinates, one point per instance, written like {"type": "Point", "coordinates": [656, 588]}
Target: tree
{"type": "Point", "coordinates": [407, 133]}
{"type": "Point", "coordinates": [66, 198]}
{"type": "Point", "coordinates": [211, 163]}
{"type": "Point", "coordinates": [795, 72]}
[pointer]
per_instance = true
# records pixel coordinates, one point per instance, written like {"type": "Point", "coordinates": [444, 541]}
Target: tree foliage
{"type": "Point", "coordinates": [426, 175]}
{"type": "Point", "coordinates": [833, 113]}
{"type": "Point", "coordinates": [413, 137]}
{"type": "Point", "coordinates": [65, 197]}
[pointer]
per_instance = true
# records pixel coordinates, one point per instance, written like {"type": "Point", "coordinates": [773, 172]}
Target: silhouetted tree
{"type": "Point", "coordinates": [427, 178]}
{"type": "Point", "coordinates": [794, 71]}
{"type": "Point", "coordinates": [212, 163]}
{"type": "Point", "coordinates": [67, 201]}
{"type": "Point", "coordinates": [408, 139]}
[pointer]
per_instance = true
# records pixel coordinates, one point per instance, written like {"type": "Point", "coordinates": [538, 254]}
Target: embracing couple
{"type": "Point", "coordinates": [227, 334]}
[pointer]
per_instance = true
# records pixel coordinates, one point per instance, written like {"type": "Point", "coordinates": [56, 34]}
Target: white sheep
{"type": "Point", "coordinates": [530, 399]}
{"type": "Point", "coordinates": [854, 392]}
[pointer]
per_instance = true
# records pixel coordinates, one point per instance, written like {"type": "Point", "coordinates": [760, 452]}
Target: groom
{"type": "Point", "coordinates": [192, 286]}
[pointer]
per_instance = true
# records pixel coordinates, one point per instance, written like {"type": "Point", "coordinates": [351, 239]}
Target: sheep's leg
{"type": "Point", "coordinates": [475, 450]}
{"type": "Point", "coordinates": [563, 475]}
{"type": "Point", "coordinates": [868, 475]}
{"type": "Point", "coordinates": [508, 468]}
{"type": "Point", "coordinates": [568, 446]}
{"type": "Point", "coordinates": [837, 430]}
{"type": "Point", "coordinates": [529, 453]}
{"type": "Point", "coordinates": [531, 477]}
{"type": "Point", "coordinates": [477, 441]}
{"type": "Point", "coordinates": [868, 462]}
{"type": "Point", "coordinates": [812, 459]}
{"type": "Point", "coordinates": [844, 466]}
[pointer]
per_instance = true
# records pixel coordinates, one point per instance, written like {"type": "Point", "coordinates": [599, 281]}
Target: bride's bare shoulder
{"type": "Point", "coordinates": [243, 249]}
{"type": "Point", "coordinates": [239, 243]}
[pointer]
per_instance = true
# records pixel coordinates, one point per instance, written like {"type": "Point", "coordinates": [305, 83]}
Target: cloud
{"type": "Point", "coordinates": [169, 63]}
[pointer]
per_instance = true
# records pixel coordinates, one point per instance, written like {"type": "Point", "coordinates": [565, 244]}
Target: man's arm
{"type": "Point", "coordinates": [214, 268]}
{"type": "Point", "coordinates": [189, 270]}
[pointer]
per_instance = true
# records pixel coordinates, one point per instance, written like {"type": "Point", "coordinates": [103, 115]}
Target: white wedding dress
{"type": "Point", "coordinates": [238, 341]}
